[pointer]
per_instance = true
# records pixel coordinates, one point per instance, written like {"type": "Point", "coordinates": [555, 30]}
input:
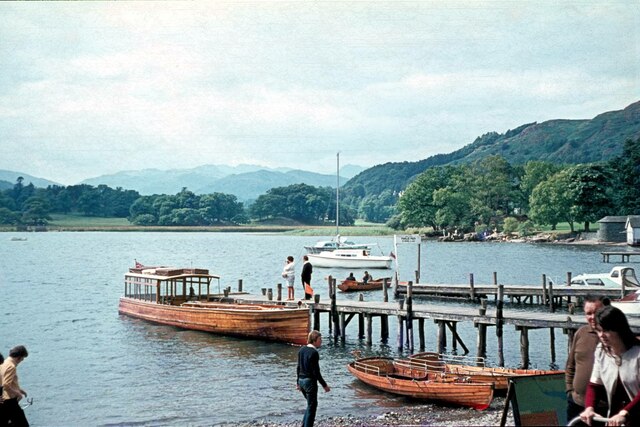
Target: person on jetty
{"type": "Point", "coordinates": [307, 269]}
{"type": "Point", "coordinates": [308, 376]}
{"type": "Point", "coordinates": [289, 274]}
{"type": "Point", "coordinates": [10, 411]}
{"type": "Point", "coordinates": [616, 370]}
{"type": "Point", "coordinates": [580, 359]}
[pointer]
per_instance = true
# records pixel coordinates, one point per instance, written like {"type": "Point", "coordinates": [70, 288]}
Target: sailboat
{"type": "Point", "coordinates": [340, 252]}
{"type": "Point", "coordinates": [338, 242]}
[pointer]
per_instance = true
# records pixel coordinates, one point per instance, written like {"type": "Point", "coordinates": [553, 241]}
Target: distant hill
{"type": "Point", "coordinates": [250, 185]}
{"type": "Point", "coordinates": [556, 141]}
{"type": "Point", "coordinates": [246, 182]}
{"type": "Point", "coordinates": [12, 177]}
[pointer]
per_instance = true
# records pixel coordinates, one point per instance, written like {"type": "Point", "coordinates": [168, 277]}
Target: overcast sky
{"type": "Point", "coordinates": [91, 88]}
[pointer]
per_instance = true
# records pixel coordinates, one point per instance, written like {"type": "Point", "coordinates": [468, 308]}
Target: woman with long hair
{"type": "Point", "coordinates": [616, 370]}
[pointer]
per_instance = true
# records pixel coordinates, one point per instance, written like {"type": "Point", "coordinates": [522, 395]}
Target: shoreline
{"type": "Point", "coordinates": [426, 415]}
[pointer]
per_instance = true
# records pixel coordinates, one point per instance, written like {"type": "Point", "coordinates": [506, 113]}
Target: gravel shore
{"type": "Point", "coordinates": [428, 415]}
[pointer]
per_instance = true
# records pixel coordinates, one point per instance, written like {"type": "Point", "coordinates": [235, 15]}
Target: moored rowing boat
{"type": "Point", "coordinates": [399, 377]}
{"type": "Point", "coordinates": [497, 376]}
{"type": "Point", "coordinates": [355, 285]}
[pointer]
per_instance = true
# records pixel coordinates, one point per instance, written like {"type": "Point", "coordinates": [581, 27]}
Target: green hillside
{"type": "Point", "coordinates": [556, 141]}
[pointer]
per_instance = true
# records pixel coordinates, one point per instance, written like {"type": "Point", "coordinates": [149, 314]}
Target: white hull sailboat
{"type": "Point", "coordinates": [349, 258]}
{"type": "Point", "coordinates": [338, 242]}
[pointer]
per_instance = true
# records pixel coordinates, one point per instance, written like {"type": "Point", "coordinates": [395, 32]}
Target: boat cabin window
{"type": "Point", "coordinates": [169, 290]}
{"type": "Point", "coordinates": [594, 282]}
{"type": "Point", "coordinates": [615, 273]}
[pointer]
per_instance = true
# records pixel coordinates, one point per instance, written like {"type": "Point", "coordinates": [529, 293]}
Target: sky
{"type": "Point", "coordinates": [94, 88]}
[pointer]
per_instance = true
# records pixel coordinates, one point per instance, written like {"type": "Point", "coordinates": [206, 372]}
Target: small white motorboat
{"type": "Point", "coordinates": [629, 304]}
{"type": "Point", "coordinates": [618, 276]}
{"type": "Point", "coordinates": [349, 258]}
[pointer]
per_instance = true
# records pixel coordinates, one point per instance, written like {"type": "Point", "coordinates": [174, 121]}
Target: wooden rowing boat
{"type": "Point", "coordinates": [356, 285]}
{"type": "Point", "coordinates": [399, 377]}
{"type": "Point", "coordinates": [456, 365]}
{"type": "Point", "coordinates": [182, 298]}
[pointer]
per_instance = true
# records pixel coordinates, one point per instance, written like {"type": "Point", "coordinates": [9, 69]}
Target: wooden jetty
{"type": "Point", "coordinates": [341, 313]}
{"type": "Point", "coordinates": [547, 293]}
{"type": "Point", "coordinates": [625, 256]}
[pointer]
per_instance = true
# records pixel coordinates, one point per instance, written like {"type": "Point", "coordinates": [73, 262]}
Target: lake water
{"type": "Point", "coordinates": [90, 366]}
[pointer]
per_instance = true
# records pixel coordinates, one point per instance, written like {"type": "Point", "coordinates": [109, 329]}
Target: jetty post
{"type": "Point", "coordinates": [481, 344]}
{"type": "Point", "coordinates": [499, 324]}
{"type": "Point", "coordinates": [240, 285]}
{"type": "Point", "coordinates": [360, 320]}
{"type": "Point", "coordinates": [385, 289]}
{"type": "Point", "coordinates": [334, 311]}
{"type": "Point", "coordinates": [409, 320]}
{"type": "Point", "coordinates": [472, 291]}
{"type": "Point", "coordinates": [400, 340]}
{"type": "Point", "coordinates": [279, 292]}
{"type": "Point", "coordinates": [330, 318]}
{"type": "Point", "coordinates": [316, 313]}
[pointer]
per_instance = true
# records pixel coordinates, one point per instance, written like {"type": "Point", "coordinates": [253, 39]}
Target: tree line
{"type": "Point", "coordinates": [485, 193]}
{"type": "Point", "coordinates": [488, 193]}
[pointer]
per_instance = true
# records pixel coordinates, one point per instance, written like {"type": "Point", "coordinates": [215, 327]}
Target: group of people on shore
{"type": "Point", "coordinates": [289, 274]}
{"type": "Point", "coordinates": [603, 368]}
{"type": "Point", "coordinates": [11, 414]}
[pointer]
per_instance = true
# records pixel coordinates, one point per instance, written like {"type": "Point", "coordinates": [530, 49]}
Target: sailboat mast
{"type": "Point", "coordinates": [338, 194]}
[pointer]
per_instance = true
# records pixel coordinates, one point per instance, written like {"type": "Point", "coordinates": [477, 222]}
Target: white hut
{"type": "Point", "coordinates": [633, 230]}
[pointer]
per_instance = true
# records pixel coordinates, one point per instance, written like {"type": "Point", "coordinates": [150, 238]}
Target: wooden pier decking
{"type": "Point", "coordinates": [625, 256]}
{"type": "Point", "coordinates": [341, 312]}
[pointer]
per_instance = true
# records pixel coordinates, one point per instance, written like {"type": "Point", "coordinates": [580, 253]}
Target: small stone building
{"type": "Point", "coordinates": [633, 230]}
{"type": "Point", "coordinates": [612, 229]}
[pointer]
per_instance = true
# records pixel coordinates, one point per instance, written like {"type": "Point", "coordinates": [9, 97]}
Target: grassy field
{"type": "Point", "coordinates": [83, 223]}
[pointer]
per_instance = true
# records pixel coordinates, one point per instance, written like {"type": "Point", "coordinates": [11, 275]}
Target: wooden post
{"type": "Point", "coordinates": [279, 291]}
{"type": "Point", "coordinates": [495, 282]}
{"type": "Point", "coordinates": [453, 326]}
{"type": "Point", "coordinates": [417, 276]}
{"type": "Point", "coordinates": [442, 336]}
{"type": "Point", "coordinates": [481, 344]}
{"type": "Point", "coordinates": [524, 347]}
{"type": "Point", "coordinates": [568, 278]}
{"type": "Point", "coordinates": [472, 290]}
{"type": "Point", "coordinates": [239, 285]}
{"type": "Point", "coordinates": [316, 313]}
{"type": "Point", "coordinates": [369, 319]}
{"type": "Point", "coordinates": [622, 290]}
{"type": "Point", "coordinates": [400, 340]}
{"type": "Point", "coordinates": [385, 289]}
{"type": "Point", "coordinates": [499, 321]}
{"type": "Point", "coordinates": [330, 317]}
{"type": "Point", "coordinates": [409, 318]}
{"type": "Point", "coordinates": [360, 326]}
{"type": "Point", "coordinates": [343, 327]}
{"type": "Point", "coordinates": [544, 289]}
{"type": "Point", "coordinates": [269, 294]}
{"type": "Point", "coordinates": [334, 310]}
{"type": "Point", "coordinates": [421, 333]}
{"type": "Point", "coordinates": [396, 293]}
{"type": "Point", "coordinates": [552, 305]}
{"type": "Point", "coordinates": [384, 328]}
{"type": "Point", "coordinates": [552, 344]}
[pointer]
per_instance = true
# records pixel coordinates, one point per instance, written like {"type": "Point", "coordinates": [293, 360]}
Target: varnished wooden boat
{"type": "Point", "coordinates": [499, 377]}
{"type": "Point", "coordinates": [181, 297]}
{"type": "Point", "coordinates": [399, 377]}
{"type": "Point", "coordinates": [356, 285]}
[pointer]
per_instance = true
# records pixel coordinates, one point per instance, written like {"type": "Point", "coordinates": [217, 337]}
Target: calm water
{"type": "Point", "coordinates": [90, 366]}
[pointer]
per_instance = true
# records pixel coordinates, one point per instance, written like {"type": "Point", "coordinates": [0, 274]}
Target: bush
{"type": "Point", "coordinates": [510, 225]}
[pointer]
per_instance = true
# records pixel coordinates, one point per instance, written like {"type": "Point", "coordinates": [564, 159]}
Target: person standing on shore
{"type": "Point", "coordinates": [580, 358]}
{"type": "Point", "coordinates": [307, 269]}
{"type": "Point", "coordinates": [308, 376]}
{"type": "Point", "coordinates": [289, 274]}
{"type": "Point", "coordinates": [11, 413]}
